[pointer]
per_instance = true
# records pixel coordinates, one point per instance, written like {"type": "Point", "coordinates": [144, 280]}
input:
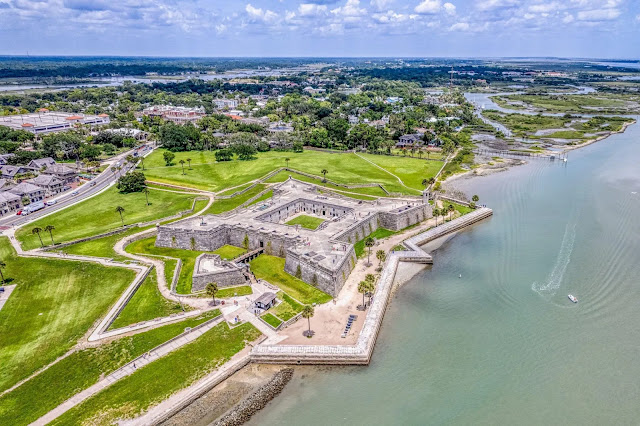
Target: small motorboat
{"type": "Point", "coordinates": [573, 298]}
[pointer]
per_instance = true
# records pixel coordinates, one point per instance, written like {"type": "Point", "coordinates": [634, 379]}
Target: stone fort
{"type": "Point", "coordinates": [323, 257]}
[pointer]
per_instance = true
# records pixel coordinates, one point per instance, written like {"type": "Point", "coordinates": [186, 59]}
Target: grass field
{"type": "Point", "coordinates": [97, 215]}
{"type": "Point", "coordinates": [188, 257]}
{"type": "Point", "coordinates": [380, 233]}
{"type": "Point", "coordinates": [82, 369]}
{"type": "Point", "coordinates": [271, 269]}
{"type": "Point", "coordinates": [288, 308]}
{"type": "Point", "coordinates": [160, 379]}
{"type": "Point", "coordinates": [228, 252]}
{"type": "Point", "coordinates": [586, 103]}
{"type": "Point", "coordinates": [373, 191]}
{"type": "Point", "coordinates": [224, 205]}
{"type": "Point", "coordinates": [101, 247]}
{"type": "Point", "coordinates": [146, 304]}
{"type": "Point", "coordinates": [342, 167]}
{"type": "Point", "coordinates": [243, 290]}
{"type": "Point", "coordinates": [271, 320]}
{"type": "Point", "coordinates": [307, 222]}
{"type": "Point", "coordinates": [54, 304]}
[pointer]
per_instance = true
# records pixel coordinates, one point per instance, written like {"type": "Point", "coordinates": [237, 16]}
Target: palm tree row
{"type": "Point", "coordinates": [49, 228]}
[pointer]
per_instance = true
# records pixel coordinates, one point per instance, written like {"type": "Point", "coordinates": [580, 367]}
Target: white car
{"type": "Point", "coordinates": [50, 202]}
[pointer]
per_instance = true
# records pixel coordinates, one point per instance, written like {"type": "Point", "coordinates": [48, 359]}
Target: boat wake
{"type": "Point", "coordinates": [548, 289]}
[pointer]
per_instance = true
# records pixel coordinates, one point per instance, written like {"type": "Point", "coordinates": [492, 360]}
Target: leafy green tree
{"type": "Point", "coordinates": [2, 266]}
{"type": "Point", "coordinates": [224, 154]}
{"type": "Point", "coordinates": [131, 182]}
{"type": "Point", "coordinates": [245, 151]}
{"type": "Point", "coordinates": [298, 146]}
{"type": "Point", "coordinates": [168, 157]}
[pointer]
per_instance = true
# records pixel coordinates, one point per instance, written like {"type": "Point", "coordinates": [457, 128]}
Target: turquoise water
{"type": "Point", "coordinates": [503, 344]}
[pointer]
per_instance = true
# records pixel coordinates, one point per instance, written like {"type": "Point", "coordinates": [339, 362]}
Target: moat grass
{"type": "Point", "coordinates": [262, 198]}
{"type": "Point", "coordinates": [369, 192]}
{"type": "Point", "coordinates": [97, 215]}
{"type": "Point", "coordinates": [271, 320]}
{"type": "Point", "coordinates": [83, 368]}
{"type": "Point", "coordinates": [101, 247]}
{"type": "Point", "coordinates": [307, 222]}
{"type": "Point", "coordinates": [54, 304]}
{"type": "Point", "coordinates": [157, 381]}
{"type": "Point", "coordinates": [227, 204]}
{"type": "Point", "coordinates": [229, 252]}
{"type": "Point", "coordinates": [287, 308]}
{"type": "Point", "coordinates": [242, 290]}
{"type": "Point", "coordinates": [271, 269]}
{"type": "Point", "coordinates": [146, 304]}
{"type": "Point", "coordinates": [379, 234]}
{"type": "Point", "coordinates": [188, 257]}
{"type": "Point", "coordinates": [342, 167]}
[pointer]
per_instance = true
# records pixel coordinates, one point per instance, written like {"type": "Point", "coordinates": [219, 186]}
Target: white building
{"type": "Point", "coordinates": [45, 121]}
{"type": "Point", "coordinates": [176, 114]}
{"type": "Point", "coordinates": [225, 103]}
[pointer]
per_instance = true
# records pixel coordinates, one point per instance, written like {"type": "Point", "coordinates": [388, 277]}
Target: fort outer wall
{"type": "Point", "coordinates": [230, 276]}
{"type": "Point", "coordinates": [332, 280]}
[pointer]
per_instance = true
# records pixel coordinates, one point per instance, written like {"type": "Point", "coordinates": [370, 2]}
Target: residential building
{"type": "Point", "coordinates": [411, 140]}
{"type": "Point", "coordinates": [28, 190]}
{"type": "Point", "coordinates": [280, 127]}
{"type": "Point", "coordinates": [9, 202]}
{"type": "Point", "coordinates": [4, 158]}
{"type": "Point", "coordinates": [137, 134]}
{"type": "Point", "coordinates": [10, 172]}
{"type": "Point", "coordinates": [62, 172]}
{"type": "Point", "coordinates": [51, 184]}
{"type": "Point", "coordinates": [41, 163]}
{"type": "Point", "coordinates": [45, 121]}
{"type": "Point", "coordinates": [353, 119]}
{"type": "Point", "coordinates": [176, 114]}
{"type": "Point", "coordinates": [225, 103]}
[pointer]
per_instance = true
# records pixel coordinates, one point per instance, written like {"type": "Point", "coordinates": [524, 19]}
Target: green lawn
{"type": "Point", "coordinates": [101, 247]}
{"type": "Point", "coordinates": [342, 167]}
{"type": "Point", "coordinates": [373, 191]}
{"type": "Point", "coordinates": [155, 382]}
{"type": "Point", "coordinates": [82, 369]}
{"type": "Point", "coordinates": [308, 222]}
{"type": "Point", "coordinates": [188, 257]}
{"type": "Point", "coordinates": [97, 215]}
{"type": "Point", "coordinates": [271, 320]}
{"type": "Point", "coordinates": [460, 208]}
{"type": "Point", "coordinates": [227, 204]}
{"type": "Point", "coordinates": [146, 304]}
{"type": "Point", "coordinates": [229, 252]}
{"type": "Point", "coordinates": [243, 290]}
{"type": "Point", "coordinates": [262, 198]}
{"type": "Point", "coordinates": [271, 269]}
{"type": "Point", "coordinates": [380, 234]}
{"type": "Point", "coordinates": [288, 308]}
{"type": "Point", "coordinates": [54, 304]}
{"type": "Point", "coordinates": [169, 269]}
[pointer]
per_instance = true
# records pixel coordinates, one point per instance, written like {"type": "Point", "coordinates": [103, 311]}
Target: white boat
{"type": "Point", "coordinates": [573, 298]}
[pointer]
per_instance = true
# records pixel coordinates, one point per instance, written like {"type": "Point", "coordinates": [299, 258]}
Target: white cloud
{"type": "Point", "coordinates": [450, 8]}
{"type": "Point", "coordinates": [598, 15]}
{"type": "Point", "coordinates": [495, 4]}
{"type": "Point", "coordinates": [544, 7]}
{"type": "Point", "coordinates": [391, 17]}
{"type": "Point", "coordinates": [380, 4]}
{"type": "Point", "coordinates": [638, 18]}
{"type": "Point", "coordinates": [568, 18]}
{"type": "Point", "coordinates": [351, 8]}
{"type": "Point", "coordinates": [460, 26]}
{"type": "Point", "coordinates": [311, 9]}
{"type": "Point", "coordinates": [429, 7]}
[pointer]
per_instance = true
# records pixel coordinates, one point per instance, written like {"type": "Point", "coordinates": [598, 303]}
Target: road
{"type": "Point", "coordinates": [102, 181]}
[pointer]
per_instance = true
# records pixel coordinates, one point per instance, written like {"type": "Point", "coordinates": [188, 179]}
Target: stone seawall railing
{"type": "Point", "coordinates": [361, 352]}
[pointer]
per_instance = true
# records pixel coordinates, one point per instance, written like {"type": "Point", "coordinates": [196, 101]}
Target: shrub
{"type": "Point", "coordinates": [131, 182]}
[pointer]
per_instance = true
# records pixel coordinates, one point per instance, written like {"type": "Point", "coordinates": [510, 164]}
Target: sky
{"type": "Point", "coordinates": [319, 28]}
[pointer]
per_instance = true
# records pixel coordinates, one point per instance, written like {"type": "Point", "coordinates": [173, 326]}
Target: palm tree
{"type": "Point", "coordinates": [142, 162]}
{"type": "Point", "coordinates": [286, 160]}
{"type": "Point", "coordinates": [182, 164]}
{"type": "Point", "coordinates": [189, 161]}
{"type": "Point", "coordinates": [420, 154]}
{"type": "Point", "coordinates": [432, 180]}
{"type": "Point", "coordinates": [425, 183]}
{"type": "Point", "coordinates": [443, 213]}
{"type": "Point", "coordinates": [146, 194]}
{"type": "Point", "coordinates": [211, 290]}
{"type": "Point", "coordinates": [50, 229]}
{"type": "Point", "coordinates": [363, 288]}
{"type": "Point", "coordinates": [324, 173]}
{"type": "Point", "coordinates": [120, 210]}
{"type": "Point", "coordinates": [369, 242]}
{"type": "Point", "coordinates": [307, 312]}
{"type": "Point", "coordinates": [370, 279]}
{"type": "Point", "coordinates": [451, 210]}
{"type": "Point", "coordinates": [2, 266]}
{"type": "Point", "coordinates": [37, 231]}
{"type": "Point", "coordinates": [381, 256]}
{"type": "Point", "coordinates": [475, 199]}
{"type": "Point", "coordinates": [436, 213]}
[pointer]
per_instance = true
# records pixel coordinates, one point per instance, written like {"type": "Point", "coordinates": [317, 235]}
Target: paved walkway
{"type": "Point", "coordinates": [126, 370]}
{"type": "Point", "coordinates": [8, 289]}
